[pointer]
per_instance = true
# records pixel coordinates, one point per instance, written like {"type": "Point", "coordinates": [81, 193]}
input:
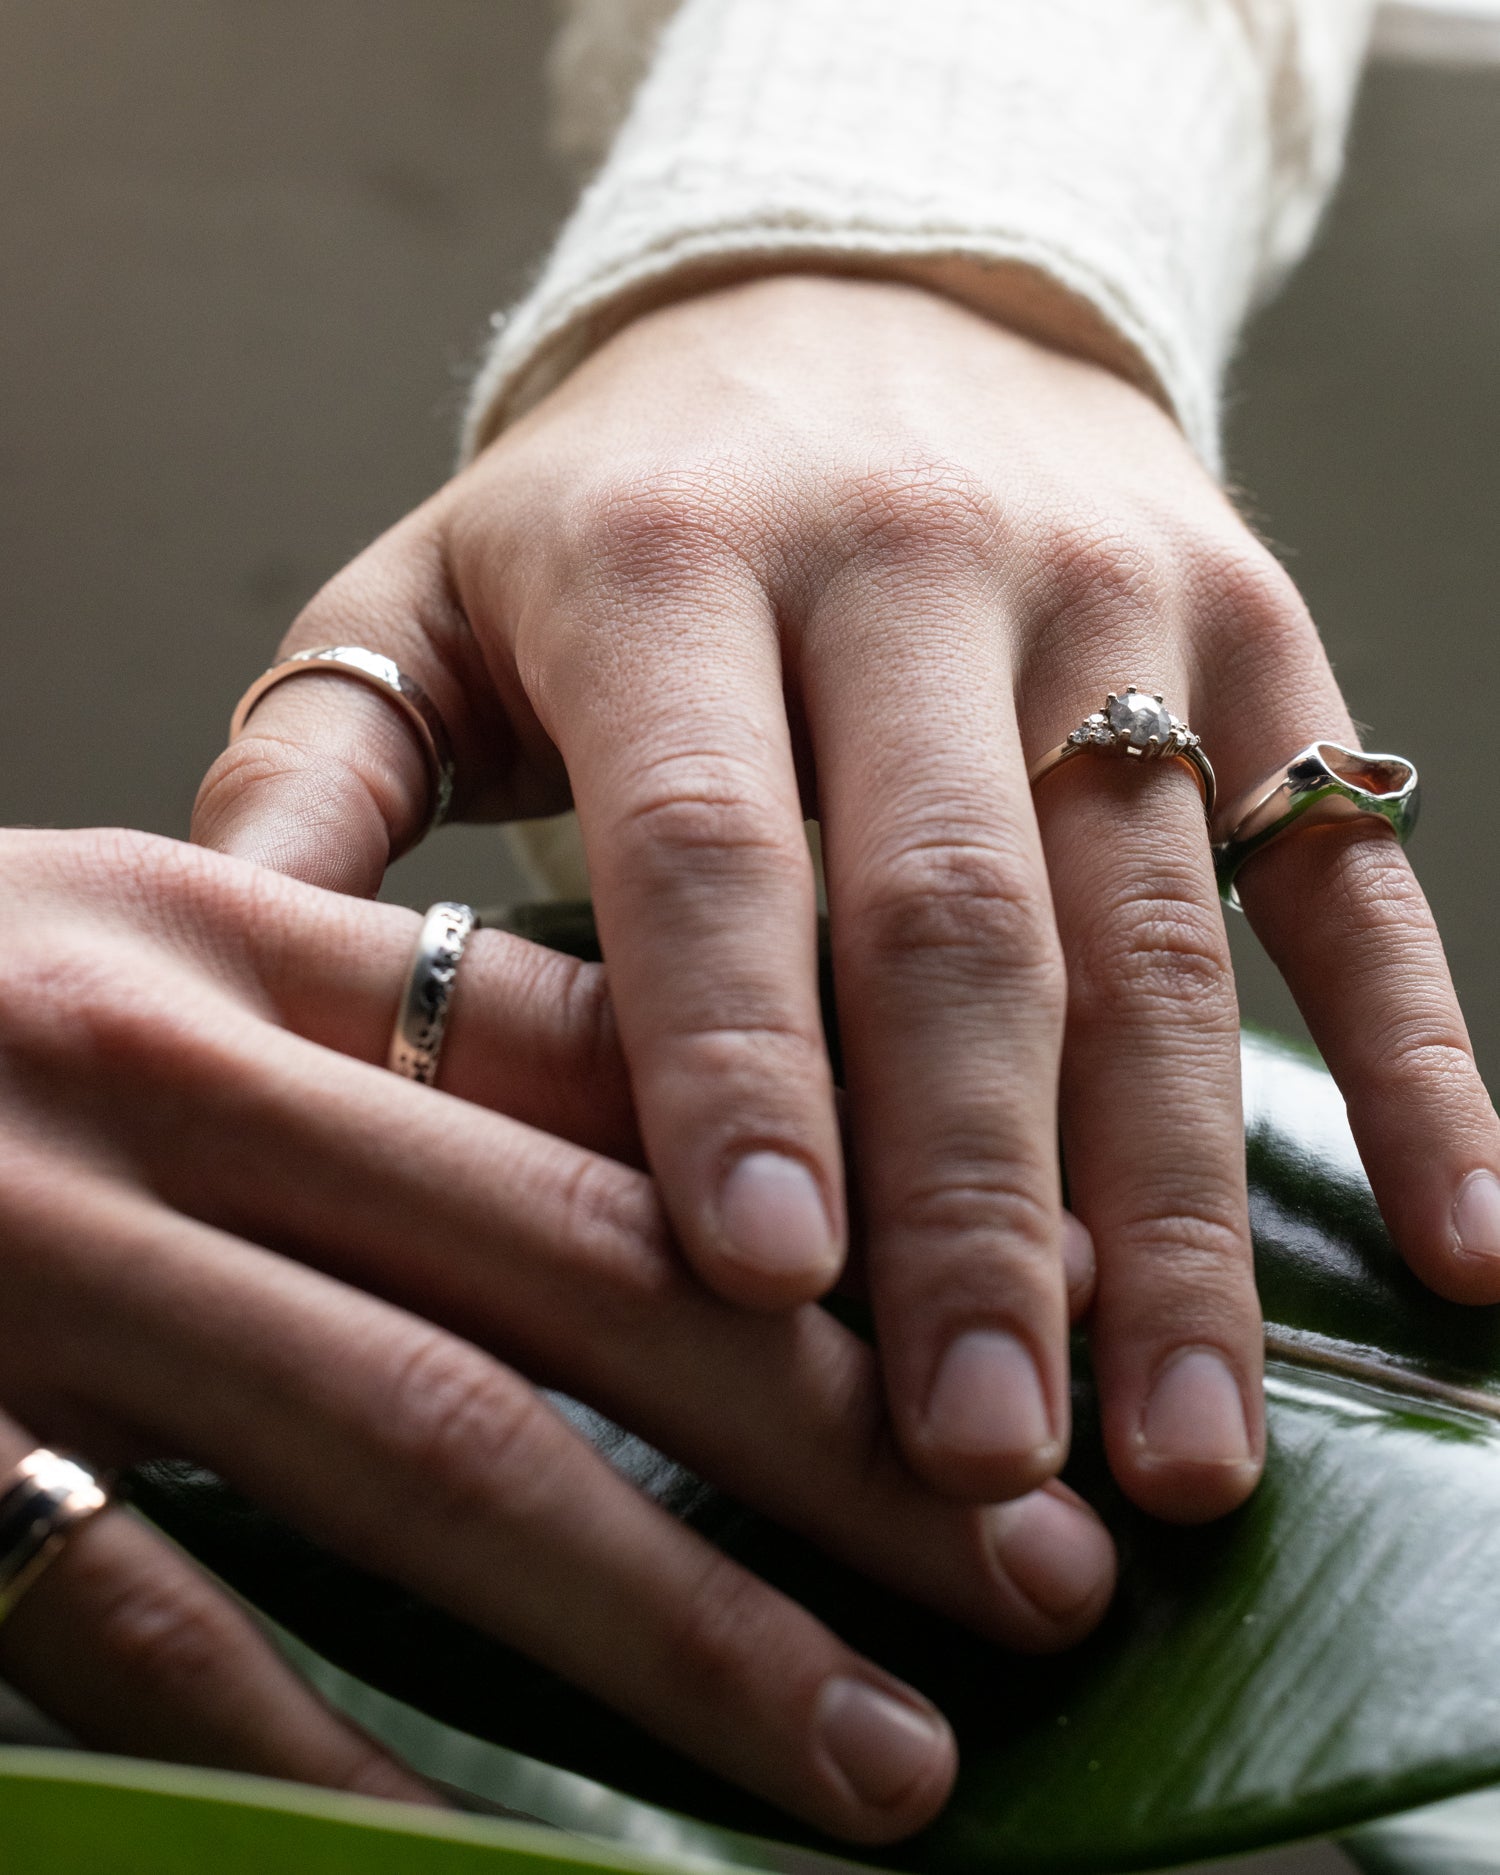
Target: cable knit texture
{"type": "Point", "coordinates": [1121, 177]}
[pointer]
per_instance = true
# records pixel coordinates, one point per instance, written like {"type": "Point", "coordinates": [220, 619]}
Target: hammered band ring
{"type": "Point", "coordinates": [1321, 785]}
{"type": "Point", "coordinates": [380, 673]}
{"type": "Point", "coordinates": [422, 1019]}
{"type": "Point", "coordinates": [43, 1500]}
{"type": "Point", "coordinates": [1137, 725]}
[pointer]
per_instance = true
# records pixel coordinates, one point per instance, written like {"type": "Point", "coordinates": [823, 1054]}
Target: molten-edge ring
{"type": "Point", "coordinates": [1321, 784]}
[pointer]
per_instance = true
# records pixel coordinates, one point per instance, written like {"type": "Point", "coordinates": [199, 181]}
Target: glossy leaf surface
{"type": "Point", "coordinates": [1327, 1655]}
{"type": "Point", "coordinates": [68, 1814]}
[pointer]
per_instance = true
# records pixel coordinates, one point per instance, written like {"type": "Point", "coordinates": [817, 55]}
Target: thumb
{"type": "Point", "coordinates": [329, 779]}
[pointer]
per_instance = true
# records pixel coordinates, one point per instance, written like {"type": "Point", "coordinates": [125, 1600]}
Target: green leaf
{"type": "Point", "coordinates": [67, 1813]}
{"type": "Point", "coordinates": [1326, 1656]}
{"type": "Point", "coordinates": [1458, 1838]}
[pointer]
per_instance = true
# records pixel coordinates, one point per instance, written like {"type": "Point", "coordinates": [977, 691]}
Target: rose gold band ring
{"type": "Point", "coordinates": [1138, 725]}
{"type": "Point", "coordinates": [380, 673]}
{"type": "Point", "coordinates": [43, 1500]}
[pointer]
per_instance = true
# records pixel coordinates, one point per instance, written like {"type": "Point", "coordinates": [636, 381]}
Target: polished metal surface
{"type": "Point", "coordinates": [1322, 784]}
{"type": "Point", "coordinates": [1139, 725]}
{"type": "Point", "coordinates": [380, 673]}
{"type": "Point", "coordinates": [43, 1500]}
{"type": "Point", "coordinates": [417, 1041]}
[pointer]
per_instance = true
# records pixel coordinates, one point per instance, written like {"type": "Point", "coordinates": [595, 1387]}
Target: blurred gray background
{"type": "Point", "coordinates": [247, 252]}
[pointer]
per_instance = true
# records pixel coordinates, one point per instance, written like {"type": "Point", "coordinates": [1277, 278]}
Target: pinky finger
{"type": "Point", "coordinates": [131, 1648]}
{"type": "Point", "coordinates": [1345, 921]}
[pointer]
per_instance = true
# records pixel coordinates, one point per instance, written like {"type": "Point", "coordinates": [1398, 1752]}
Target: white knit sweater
{"type": "Point", "coordinates": [1122, 177]}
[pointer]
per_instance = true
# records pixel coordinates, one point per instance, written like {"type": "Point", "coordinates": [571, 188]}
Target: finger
{"type": "Point", "coordinates": [131, 1648]}
{"type": "Point", "coordinates": [1342, 915]}
{"type": "Point", "coordinates": [454, 1479]}
{"type": "Point", "coordinates": [664, 693]}
{"type": "Point", "coordinates": [562, 1264]}
{"type": "Point", "coordinates": [1080, 1268]}
{"type": "Point", "coordinates": [950, 994]}
{"type": "Point", "coordinates": [328, 780]}
{"type": "Point", "coordinates": [1367, 968]}
{"type": "Point", "coordinates": [1152, 1133]}
{"type": "Point", "coordinates": [530, 1033]}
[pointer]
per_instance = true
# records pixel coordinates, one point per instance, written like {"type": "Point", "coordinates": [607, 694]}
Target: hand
{"type": "Point", "coordinates": [226, 1235]}
{"type": "Point", "coordinates": [832, 547]}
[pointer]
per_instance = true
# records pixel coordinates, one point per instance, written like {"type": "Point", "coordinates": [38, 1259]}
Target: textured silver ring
{"type": "Point", "coordinates": [380, 673]}
{"type": "Point", "coordinates": [1138, 725]}
{"type": "Point", "coordinates": [1321, 784]}
{"type": "Point", "coordinates": [43, 1500]}
{"type": "Point", "coordinates": [417, 1040]}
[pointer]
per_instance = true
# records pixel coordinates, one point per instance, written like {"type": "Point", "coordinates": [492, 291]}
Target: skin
{"type": "Point", "coordinates": [813, 546]}
{"type": "Point", "coordinates": [228, 1233]}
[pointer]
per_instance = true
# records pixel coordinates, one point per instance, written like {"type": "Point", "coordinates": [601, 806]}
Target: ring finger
{"type": "Point", "coordinates": [131, 1648]}
{"type": "Point", "coordinates": [1150, 1111]}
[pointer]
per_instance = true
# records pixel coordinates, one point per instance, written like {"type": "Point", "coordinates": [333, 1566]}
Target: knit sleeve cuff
{"type": "Point", "coordinates": [1099, 173]}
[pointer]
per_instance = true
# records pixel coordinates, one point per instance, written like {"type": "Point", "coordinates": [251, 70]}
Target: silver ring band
{"type": "Point", "coordinates": [1136, 724]}
{"type": "Point", "coordinates": [42, 1502]}
{"type": "Point", "coordinates": [417, 1040]}
{"type": "Point", "coordinates": [1321, 784]}
{"type": "Point", "coordinates": [380, 673]}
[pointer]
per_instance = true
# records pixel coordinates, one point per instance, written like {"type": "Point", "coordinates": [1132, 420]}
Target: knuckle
{"type": "Point", "coordinates": [659, 531]}
{"type": "Point", "coordinates": [1162, 948]}
{"type": "Point", "coordinates": [976, 1209]}
{"type": "Point", "coordinates": [1100, 568]}
{"type": "Point", "coordinates": [1424, 1054]}
{"type": "Point", "coordinates": [966, 909]}
{"type": "Point", "coordinates": [320, 785]}
{"type": "Point", "coordinates": [917, 514]}
{"type": "Point", "coordinates": [1377, 892]}
{"type": "Point", "coordinates": [174, 1634]}
{"type": "Point", "coordinates": [706, 813]}
{"type": "Point", "coordinates": [466, 1433]}
{"type": "Point", "coordinates": [719, 1634]}
{"type": "Point", "coordinates": [1199, 1240]}
{"type": "Point", "coordinates": [1251, 604]}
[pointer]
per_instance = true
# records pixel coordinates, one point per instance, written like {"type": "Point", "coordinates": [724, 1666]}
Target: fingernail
{"type": "Point", "coordinates": [772, 1216]}
{"type": "Point", "coordinates": [987, 1398]}
{"type": "Point", "coordinates": [883, 1746]}
{"type": "Point", "coordinates": [1056, 1552]}
{"type": "Point", "coordinates": [1476, 1215]}
{"type": "Point", "coordinates": [1196, 1413]}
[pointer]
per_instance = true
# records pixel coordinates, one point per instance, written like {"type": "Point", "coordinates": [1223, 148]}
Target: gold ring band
{"type": "Point", "coordinates": [43, 1500]}
{"type": "Point", "coordinates": [380, 673]}
{"type": "Point", "coordinates": [1139, 725]}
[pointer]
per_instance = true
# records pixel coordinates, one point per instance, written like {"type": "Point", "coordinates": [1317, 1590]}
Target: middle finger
{"type": "Point", "coordinates": [950, 990]}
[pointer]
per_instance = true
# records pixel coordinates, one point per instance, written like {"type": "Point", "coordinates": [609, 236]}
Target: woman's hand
{"type": "Point", "coordinates": [225, 1234]}
{"type": "Point", "coordinates": [839, 548]}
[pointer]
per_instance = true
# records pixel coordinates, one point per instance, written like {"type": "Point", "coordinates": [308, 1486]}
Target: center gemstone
{"type": "Point", "coordinates": [1137, 718]}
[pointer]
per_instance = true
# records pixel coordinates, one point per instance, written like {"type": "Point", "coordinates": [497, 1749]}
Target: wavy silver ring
{"type": "Point", "coordinates": [1321, 784]}
{"type": "Point", "coordinates": [422, 1020]}
{"type": "Point", "coordinates": [1137, 724]}
{"type": "Point", "coordinates": [380, 673]}
{"type": "Point", "coordinates": [43, 1500]}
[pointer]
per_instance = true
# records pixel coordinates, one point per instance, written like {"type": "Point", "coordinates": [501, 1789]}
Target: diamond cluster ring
{"type": "Point", "coordinates": [1140, 725]}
